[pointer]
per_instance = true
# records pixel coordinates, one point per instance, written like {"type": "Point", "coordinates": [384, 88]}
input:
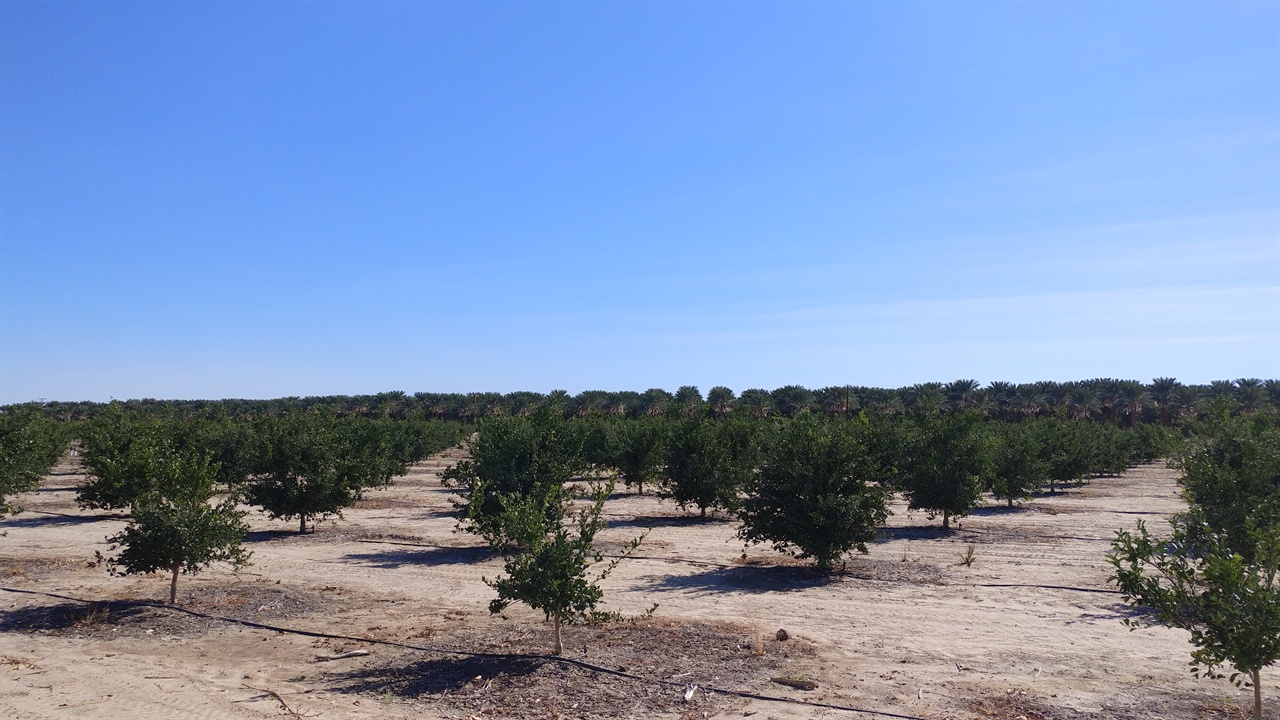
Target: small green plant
{"type": "Point", "coordinates": [970, 554]}
{"type": "Point", "coordinates": [548, 560]}
{"type": "Point", "coordinates": [176, 528]}
{"type": "Point", "coordinates": [1196, 581]}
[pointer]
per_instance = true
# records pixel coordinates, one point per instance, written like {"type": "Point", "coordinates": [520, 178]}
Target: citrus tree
{"type": "Point", "coordinates": [945, 464]}
{"type": "Point", "coordinates": [176, 526]}
{"type": "Point", "coordinates": [309, 467]}
{"type": "Point", "coordinates": [549, 554]}
{"type": "Point", "coordinates": [816, 494]}
{"type": "Point", "coordinates": [707, 462]}
{"type": "Point", "coordinates": [513, 457]}
{"type": "Point", "coordinates": [30, 445]}
{"type": "Point", "coordinates": [1197, 581]}
{"type": "Point", "coordinates": [1018, 465]}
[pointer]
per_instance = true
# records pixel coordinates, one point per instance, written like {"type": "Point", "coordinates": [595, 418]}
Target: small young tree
{"type": "Point", "coordinates": [816, 495]}
{"type": "Point", "coordinates": [945, 466]}
{"type": "Point", "coordinates": [513, 456]}
{"type": "Point", "coordinates": [312, 467]}
{"type": "Point", "coordinates": [1195, 581]}
{"type": "Point", "coordinates": [638, 450]}
{"type": "Point", "coordinates": [548, 562]}
{"type": "Point", "coordinates": [1018, 467]}
{"type": "Point", "coordinates": [175, 526]}
{"type": "Point", "coordinates": [708, 461]}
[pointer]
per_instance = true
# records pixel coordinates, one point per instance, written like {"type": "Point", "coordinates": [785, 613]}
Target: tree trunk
{"type": "Point", "coordinates": [302, 524]}
{"type": "Point", "coordinates": [556, 630]}
{"type": "Point", "coordinates": [704, 513]}
{"type": "Point", "coordinates": [173, 585]}
{"type": "Point", "coordinates": [1257, 695]}
{"type": "Point", "coordinates": [1011, 501]}
{"type": "Point", "coordinates": [946, 519]}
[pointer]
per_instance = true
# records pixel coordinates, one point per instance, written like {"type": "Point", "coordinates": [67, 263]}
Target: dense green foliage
{"type": "Point", "coordinates": [175, 527]}
{"type": "Point", "coordinates": [1123, 403]}
{"type": "Point", "coordinates": [708, 462]}
{"type": "Point", "coordinates": [816, 495]}
{"type": "Point", "coordinates": [30, 445]}
{"type": "Point", "coordinates": [1231, 473]}
{"type": "Point", "coordinates": [1197, 580]}
{"type": "Point", "coordinates": [519, 457]}
{"type": "Point", "coordinates": [1019, 465]}
{"type": "Point", "coordinates": [945, 464]}
{"type": "Point", "coordinates": [314, 466]}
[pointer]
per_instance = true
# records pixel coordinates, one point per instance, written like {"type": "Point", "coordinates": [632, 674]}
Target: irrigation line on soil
{"type": "Point", "coordinates": [468, 653]}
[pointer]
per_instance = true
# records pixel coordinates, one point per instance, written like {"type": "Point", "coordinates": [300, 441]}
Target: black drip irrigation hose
{"type": "Point", "coordinates": [504, 656]}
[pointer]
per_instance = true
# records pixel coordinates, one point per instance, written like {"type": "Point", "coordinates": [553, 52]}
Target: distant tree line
{"type": "Point", "coordinates": [1125, 403]}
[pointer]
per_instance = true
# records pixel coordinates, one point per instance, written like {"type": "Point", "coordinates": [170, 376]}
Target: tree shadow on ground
{"type": "Point", "coordinates": [434, 677]}
{"type": "Point", "coordinates": [49, 519]}
{"type": "Point", "coordinates": [72, 615]}
{"type": "Point", "coordinates": [744, 579]}
{"type": "Point", "coordinates": [256, 536]}
{"type": "Point", "coordinates": [915, 532]}
{"type": "Point", "coordinates": [1112, 613]}
{"type": "Point", "coordinates": [392, 559]}
{"type": "Point", "coordinates": [678, 521]}
{"type": "Point", "coordinates": [999, 510]}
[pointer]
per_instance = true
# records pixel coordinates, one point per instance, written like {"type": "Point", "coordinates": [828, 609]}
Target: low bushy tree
{"type": "Point", "coordinates": [945, 464]}
{"type": "Point", "coordinates": [315, 466]}
{"type": "Point", "coordinates": [1018, 466]}
{"type": "Point", "coordinates": [816, 494]}
{"type": "Point", "coordinates": [512, 456]}
{"type": "Point", "coordinates": [1231, 473]}
{"type": "Point", "coordinates": [176, 526]}
{"type": "Point", "coordinates": [1196, 580]}
{"type": "Point", "coordinates": [548, 561]}
{"type": "Point", "coordinates": [30, 445]}
{"type": "Point", "coordinates": [638, 450]}
{"type": "Point", "coordinates": [707, 462]}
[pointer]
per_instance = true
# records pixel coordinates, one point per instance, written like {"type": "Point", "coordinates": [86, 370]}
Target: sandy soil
{"type": "Point", "coordinates": [1029, 630]}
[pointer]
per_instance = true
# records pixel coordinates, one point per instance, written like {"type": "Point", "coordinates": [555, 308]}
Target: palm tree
{"type": "Point", "coordinates": [927, 397]}
{"type": "Point", "coordinates": [1026, 401]}
{"type": "Point", "coordinates": [1000, 394]}
{"type": "Point", "coordinates": [1163, 392]}
{"type": "Point", "coordinates": [721, 400]}
{"type": "Point", "coordinates": [1130, 397]}
{"type": "Point", "coordinates": [1272, 389]}
{"type": "Point", "coordinates": [962, 394]}
{"type": "Point", "coordinates": [792, 400]}
{"type": "Point", "coordinates": [1053, 395]}
{"type": "Point", "coordinates": [758, 400]}
{"type": "Point", "coordinates": [836, 400]}
{"type": "Point", "coordinates": [1249, 394]}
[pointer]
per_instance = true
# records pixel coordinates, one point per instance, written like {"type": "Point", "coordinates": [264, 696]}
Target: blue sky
{"type": "Point", "coordinates": [204, 200]}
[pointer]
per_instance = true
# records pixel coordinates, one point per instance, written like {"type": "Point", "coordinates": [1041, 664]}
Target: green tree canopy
{"type": "Point", "coordinates": [816, 495]}
{"type": "Point", "coordinates": [175, 526]}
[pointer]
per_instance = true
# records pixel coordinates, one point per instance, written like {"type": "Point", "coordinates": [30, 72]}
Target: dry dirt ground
{"type": "Point", "coordinates": [1029, 630]}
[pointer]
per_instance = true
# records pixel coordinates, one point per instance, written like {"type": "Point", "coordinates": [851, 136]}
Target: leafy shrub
{"type": "Point", "coordinates": [816, 495]}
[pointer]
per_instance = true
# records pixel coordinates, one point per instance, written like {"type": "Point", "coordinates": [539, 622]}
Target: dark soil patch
{"type": "Point", "coordinates": [253, 601]}
{"type": "Point", "coordinates": [512, 685]}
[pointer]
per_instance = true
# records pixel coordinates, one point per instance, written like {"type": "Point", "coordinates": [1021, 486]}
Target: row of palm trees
{"type": "Point", "coordinates": [1122, 402]}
